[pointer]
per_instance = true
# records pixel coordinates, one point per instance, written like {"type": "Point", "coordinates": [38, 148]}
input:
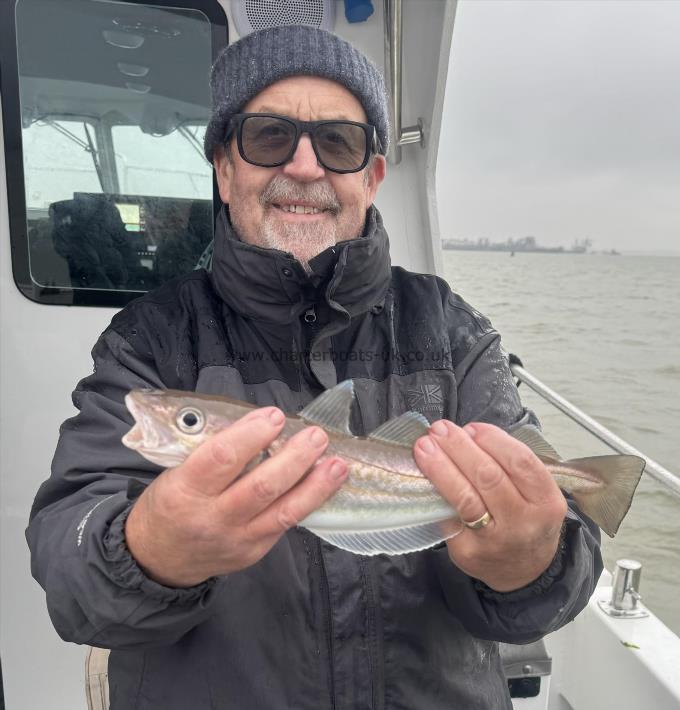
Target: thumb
{"type": "Point", "coordinates": [218, 461]}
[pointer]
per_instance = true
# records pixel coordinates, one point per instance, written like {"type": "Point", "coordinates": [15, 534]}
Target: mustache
{"type": "Point", "coordinates": [283, 189]}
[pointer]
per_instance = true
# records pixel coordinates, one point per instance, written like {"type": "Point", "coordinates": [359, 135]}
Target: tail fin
{"type": "Point", "coordinates": [608, 504]}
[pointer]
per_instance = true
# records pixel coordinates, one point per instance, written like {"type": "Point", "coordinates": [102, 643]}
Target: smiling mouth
{"type": "Point", "coordinates": [300, 209]}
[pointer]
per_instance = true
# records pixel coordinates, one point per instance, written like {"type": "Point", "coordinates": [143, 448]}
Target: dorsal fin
{"type": "Point", "coordinates": [331, 409]}
{"type": "Point", "coordinates": [533, 438]}
{"type": "Point", "coordinates": [402, 430]}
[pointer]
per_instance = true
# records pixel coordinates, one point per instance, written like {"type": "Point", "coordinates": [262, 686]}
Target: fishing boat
{"type": "Point", "coordinates": [105, 193]}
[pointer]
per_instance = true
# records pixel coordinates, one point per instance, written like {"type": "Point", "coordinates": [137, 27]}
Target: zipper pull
{"type": "Point", "coordinates": [310, 315]}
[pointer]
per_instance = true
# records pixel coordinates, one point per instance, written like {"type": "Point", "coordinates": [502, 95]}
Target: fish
{"type": "Point", "coordinates": [386, 505]}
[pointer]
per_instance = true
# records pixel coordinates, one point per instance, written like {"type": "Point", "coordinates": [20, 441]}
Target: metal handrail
{"type": "Point", "coordinates": [393, 33]}
{"type": "Point", "coordinates": [655, 470]}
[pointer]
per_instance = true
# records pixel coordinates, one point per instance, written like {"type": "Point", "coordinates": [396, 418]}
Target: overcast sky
{"type": "Point", "coordinates": [562, 121]}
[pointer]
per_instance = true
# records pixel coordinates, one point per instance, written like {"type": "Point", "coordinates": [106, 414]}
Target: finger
{"type": "Point", "coordinates": [259, 488]}
{"type": "Point", "coordinates": [523, 467]}
{"type": "Point", "coordinates": [214, 465]}
{"type": "Point", "coordinates": [290, 509]}
{"type": "Point", "coordinates": [447, 478]}
{"type": "Point", "coordinates": [485, 474]}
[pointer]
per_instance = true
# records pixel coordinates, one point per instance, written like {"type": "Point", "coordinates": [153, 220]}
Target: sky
{"type": "Point", "coordinates": [562, 121]}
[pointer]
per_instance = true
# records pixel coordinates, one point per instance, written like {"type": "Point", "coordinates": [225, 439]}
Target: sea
{"type": "Point", "coordinates": [604, 332]}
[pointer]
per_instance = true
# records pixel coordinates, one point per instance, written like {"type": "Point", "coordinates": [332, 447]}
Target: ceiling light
{"type": "Point", "coordinates": [138, 88]}
{"type": "Point", "coordinates": [133, 69]}
{"type": "Point", "coordinates": [147, 28]}
{"type": "Point", "coordinates": [124, 40]}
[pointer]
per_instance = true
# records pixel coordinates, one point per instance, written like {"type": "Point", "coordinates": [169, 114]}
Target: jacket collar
{"type": "Point", "coordinates": [271, 285]}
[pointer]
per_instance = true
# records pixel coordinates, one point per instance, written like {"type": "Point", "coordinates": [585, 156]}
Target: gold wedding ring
{"type": "Point", "coordinates": [480, 522]}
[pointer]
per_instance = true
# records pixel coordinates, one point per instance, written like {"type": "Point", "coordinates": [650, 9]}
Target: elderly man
{"type": "Point", "coordinates": [197, 577]}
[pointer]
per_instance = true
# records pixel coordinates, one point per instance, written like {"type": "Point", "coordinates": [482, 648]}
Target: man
{"type": "Point", "coordinates": [197, 577]}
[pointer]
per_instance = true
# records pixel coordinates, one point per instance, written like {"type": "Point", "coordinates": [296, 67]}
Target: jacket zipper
{"type": "Point", "coordinates": [305, 337]}
{"type": "Point", "coordinates": [373, 631]}
{"type": "Point", "coordinates": [310, 315]}
{"type": "Point", "coordinates": [310, 319]}
{"type": "Point", "coordinates": [328, 621]}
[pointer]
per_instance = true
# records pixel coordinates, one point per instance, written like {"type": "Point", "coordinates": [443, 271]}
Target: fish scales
{"type": "Point", "coordinates": [386, 504]}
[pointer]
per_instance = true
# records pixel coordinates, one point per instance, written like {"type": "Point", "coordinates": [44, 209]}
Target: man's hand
{"type": "Point", "coordinates": [196, 521]}
{"type": "Point", "coordinates": [481, 468]}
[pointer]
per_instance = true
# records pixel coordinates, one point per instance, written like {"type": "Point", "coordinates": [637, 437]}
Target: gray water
{"type": "Point", "coordinates": [604, 331]}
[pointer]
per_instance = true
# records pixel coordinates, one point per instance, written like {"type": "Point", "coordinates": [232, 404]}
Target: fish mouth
{"type": "Point", "coordinates": [134, 438]}
{"type": "Point", "coordinates": [143, 436]}
{"type": "Point", "coordinates": [150, 436]}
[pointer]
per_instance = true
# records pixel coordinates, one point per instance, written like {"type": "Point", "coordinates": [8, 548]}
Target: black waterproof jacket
{"type": "Point", "coordinates": [309, 627]}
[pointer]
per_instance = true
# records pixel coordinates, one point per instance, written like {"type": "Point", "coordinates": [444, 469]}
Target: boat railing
{"type": "Point", "coordinates": [655, 470]}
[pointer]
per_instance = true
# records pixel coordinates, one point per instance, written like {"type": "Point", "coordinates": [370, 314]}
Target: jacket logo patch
{"type": "Point", "coordinates": [81, 525]}
{"type": "Point", "coordinates": [427, 398]}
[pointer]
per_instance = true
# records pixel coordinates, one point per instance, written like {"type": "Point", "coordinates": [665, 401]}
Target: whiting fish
{"type": "Point", "coordinates": [386, 505]}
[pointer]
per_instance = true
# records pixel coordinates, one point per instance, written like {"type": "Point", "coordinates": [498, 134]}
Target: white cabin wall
{"type": "Point", "coordinates": [407, 198]}
{"type": "Point", "coordinates": [44, 351]}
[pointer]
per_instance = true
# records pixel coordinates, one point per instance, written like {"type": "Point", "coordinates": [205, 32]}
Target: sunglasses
{"type": "Point", "coordinates": [268, 140]}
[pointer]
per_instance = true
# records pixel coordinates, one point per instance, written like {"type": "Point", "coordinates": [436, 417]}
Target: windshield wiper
{"type": "Point", "coordinates": [88, 146]}
{"type": "Point", "coordinates": [192, 140]}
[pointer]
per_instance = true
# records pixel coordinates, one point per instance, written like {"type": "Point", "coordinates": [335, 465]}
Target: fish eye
{"type": "Point", "coordinates": [190, 420]}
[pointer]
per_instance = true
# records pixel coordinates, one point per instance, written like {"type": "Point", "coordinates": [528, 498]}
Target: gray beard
{"type": "Point", "coordinates": [303, 241]}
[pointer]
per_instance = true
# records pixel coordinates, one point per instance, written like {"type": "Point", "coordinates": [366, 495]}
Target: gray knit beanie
{"type": "Point", "coordinates": [259, 59]}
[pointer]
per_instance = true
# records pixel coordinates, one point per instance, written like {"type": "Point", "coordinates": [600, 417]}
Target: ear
{"type": "Point", "coordinates": [375, 175]}
{"type": "Point", "coordinates": [224, 172]}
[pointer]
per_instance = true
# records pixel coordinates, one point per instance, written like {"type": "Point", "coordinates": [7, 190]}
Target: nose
{"type": "Point", "coordinates": [303, 166]}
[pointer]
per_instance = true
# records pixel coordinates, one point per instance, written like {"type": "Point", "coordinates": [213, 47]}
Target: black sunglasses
{"type": "Point", "coordinates": [268, 140]}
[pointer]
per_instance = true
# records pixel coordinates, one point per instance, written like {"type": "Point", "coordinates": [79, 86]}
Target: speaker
{"type": "Point", "coordinates": [251, 15]}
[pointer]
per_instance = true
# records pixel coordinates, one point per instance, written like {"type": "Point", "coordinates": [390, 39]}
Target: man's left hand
{"type": "Point", "coordinates": [478, 469]}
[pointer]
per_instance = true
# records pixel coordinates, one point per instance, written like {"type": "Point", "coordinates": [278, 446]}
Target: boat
{"type": "Point", "coordinates": [103, 107]}
{"type": "Point", "coordinates": [525, 245]}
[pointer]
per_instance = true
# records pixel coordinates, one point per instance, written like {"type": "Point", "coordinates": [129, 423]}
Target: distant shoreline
{"type": "Point", "coordinates": [502, 248]}
{"type": "Point", "coordinates": [514, 248]}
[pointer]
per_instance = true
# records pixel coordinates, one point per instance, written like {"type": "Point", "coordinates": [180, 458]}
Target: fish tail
{"type": "Point", "coordinates": [608, 504]}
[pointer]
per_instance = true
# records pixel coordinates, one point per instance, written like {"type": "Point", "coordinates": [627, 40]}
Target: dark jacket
{"type": "Point", "coordinates": [310, 626]}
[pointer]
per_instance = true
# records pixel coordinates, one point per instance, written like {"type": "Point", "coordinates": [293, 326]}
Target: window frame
{"type": "Point", "coordinates": [14, 156]}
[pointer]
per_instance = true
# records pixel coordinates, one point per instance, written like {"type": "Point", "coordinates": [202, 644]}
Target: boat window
{"type": "Point", "coordinates": [170, 165]}
{"type": "Point", "coordinates": [110, 194]}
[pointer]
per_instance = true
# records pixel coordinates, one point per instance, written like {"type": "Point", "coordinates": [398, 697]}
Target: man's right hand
{"type": "Point", "coordinates": [197, 521]}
